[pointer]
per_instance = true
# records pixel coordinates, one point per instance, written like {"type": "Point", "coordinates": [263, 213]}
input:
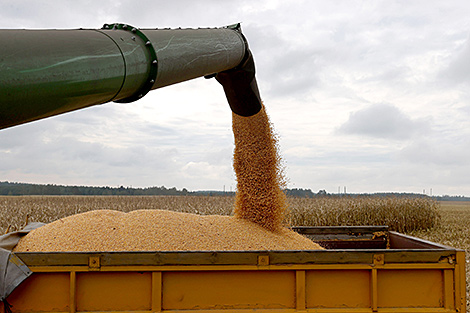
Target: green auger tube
{"type": "Point", "coordinates": [49, 72]}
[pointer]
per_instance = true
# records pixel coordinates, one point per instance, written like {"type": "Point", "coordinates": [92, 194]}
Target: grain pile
{"type": "Point", "coordinates": [258, 168]}
{"type": "Point", "coordinates": [158, 230]}
{"type": "Point", "coordinates": [260, 208]}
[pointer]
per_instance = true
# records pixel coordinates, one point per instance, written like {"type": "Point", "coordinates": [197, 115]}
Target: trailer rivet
{"type": "Point", "coordinates": [124, 27]}
{"type": "Point", "coordinates": [148, 43]}
{"type": "Point", "coordinates": [94, 263]}
{"type": "Point", "coordinates": [263, 260]}
{"type": "Point", "coordinates": [133, 38]}
{"type": "Point", "coordinates": [379, 259]}
{"type": "Point", "coordinates": [154, 62]}
{"type": "Point", "coordinates": [152, 81]}
{"type": "Point", "coordinates": [134, 30]}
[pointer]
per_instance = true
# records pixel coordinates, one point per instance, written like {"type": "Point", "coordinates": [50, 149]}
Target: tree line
{"type": "Point", "coordinates": [25, 189]}
{"type": "Point", "coordinates": [19, 189]}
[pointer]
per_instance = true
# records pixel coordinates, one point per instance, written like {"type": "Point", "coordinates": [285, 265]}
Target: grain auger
{"type": "Point", "coordinates": [49, 72]}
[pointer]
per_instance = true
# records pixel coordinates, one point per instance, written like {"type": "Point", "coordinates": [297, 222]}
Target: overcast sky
{"type": "Point", "coordinates": [369, 95]}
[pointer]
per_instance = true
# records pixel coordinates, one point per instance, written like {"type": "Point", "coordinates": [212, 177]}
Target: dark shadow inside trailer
{"type": "Point", "coordinates": [363, 237]}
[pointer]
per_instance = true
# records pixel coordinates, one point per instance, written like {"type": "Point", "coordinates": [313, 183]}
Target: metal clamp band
{"type": "Point", "coordinates": [152, 75]}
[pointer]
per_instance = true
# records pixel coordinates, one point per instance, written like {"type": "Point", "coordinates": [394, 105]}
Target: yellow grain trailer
{"type": "Point", "coordinates": [363, 269]}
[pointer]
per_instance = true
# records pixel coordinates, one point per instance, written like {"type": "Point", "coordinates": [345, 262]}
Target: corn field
{"type": "Point", "coordinates": [400, 214]}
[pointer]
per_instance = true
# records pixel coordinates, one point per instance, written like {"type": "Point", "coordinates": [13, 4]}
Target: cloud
{"type": "Point", "coordinates": [458, 69]}
{"type": "Point", "coordinates": [444, 153]}
{"type": "Point", "coordinates": [196, 170]}
{"type": "Point", "coordinates": [42, 14]}
{"type": "Point", "coordinates": [383, 121]}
